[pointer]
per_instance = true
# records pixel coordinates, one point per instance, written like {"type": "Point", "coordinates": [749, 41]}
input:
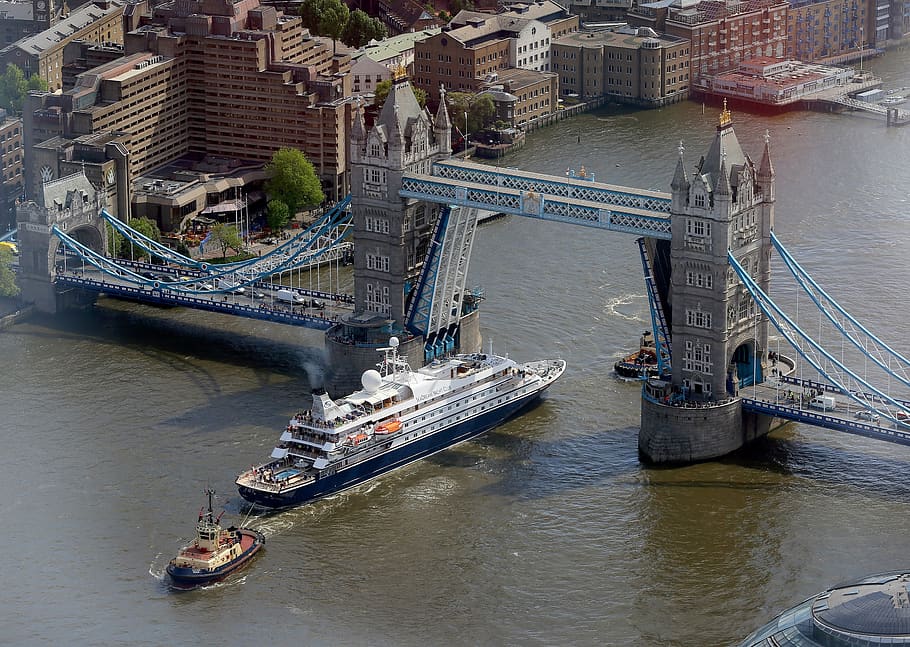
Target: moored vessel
{"type": "Point", "coordinates": [215, 552]}
{"type": "Point", "coordinates": [399, 416]}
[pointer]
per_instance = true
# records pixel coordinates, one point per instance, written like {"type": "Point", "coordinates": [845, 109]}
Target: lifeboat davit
{"type": "Point", "coordinates": [388, 427]}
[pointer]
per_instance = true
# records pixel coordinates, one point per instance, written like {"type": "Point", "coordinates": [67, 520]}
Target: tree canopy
{"type": "Point", "coordinates": [226, 237]}
{"type": "Point", "coordinates": [14, 86]}
{"type": "Point", "coordinates": [148, 228]}
{"type": "Point", "coordinates": [293, 180]}
{"type": "Point", "coordinates": [8, 285]}
{"type": "Point", "coordinates": [479, 108]}
{"type": "Point", "coordinates": [277, 215]}
{"type": "Point", "coordinates": [325, 18]}
{"type": "Point", "coordinates": [381, 93]}
{"type": "Point", "coordinates": [361, 29]}
{"type": "Point", "coordinates": [332, 18]}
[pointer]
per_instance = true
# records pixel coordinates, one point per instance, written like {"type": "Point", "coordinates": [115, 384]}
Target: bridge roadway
{"type": "Point", "coordinates": [257, 302]}
{"type": "Point", "coordinates": [572, 199]}
{"type": "Point", "coordinates": [770, 398]}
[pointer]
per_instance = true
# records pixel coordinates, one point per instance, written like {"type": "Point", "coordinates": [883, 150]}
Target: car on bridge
{"type": "Point", "coordinates": [866, 414]}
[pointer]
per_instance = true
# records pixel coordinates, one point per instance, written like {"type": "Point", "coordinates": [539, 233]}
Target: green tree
{"type": "Point", "coordinates": [445, 17]}
{"type": "Point", "coordinates": [381, 93]}
{"type": "Point", "coordinates": [325, 18]}
{"type": "Point", "coordinates": [332, 22]}
{"type": "Point", "coordinates": [310, 11]}
{"type": "Point", "coordinates": [8, 286]}
{"type": "Point", "coordinates": [361, 29]}
{"type": "Point", "coordinates": [114, 241]}
{"type": "Point", "coordinates": [226, 237]}
{"type": "Point", "coordinates": [479, 108]}
{"type": "Point", "coordinates": [147, 227]}
{"type": "Point", "coordinates": [14, 86]}
{"type": "Point", "coordinates": [293, 180]}
{"type": "Point", "coordinates": [278, 215]}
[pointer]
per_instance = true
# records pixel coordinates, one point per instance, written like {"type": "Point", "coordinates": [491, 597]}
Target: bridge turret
{"type": "Point", "coordinates": [719, 336]}
{"type": "Point", "coordinates": [391, 234]}
{"type": "Point", "coordinates": [680, 183]}
{"type": "Point", "coordinates": [442, 128]}
{"type": "Point", "coordinates": [71, 203]}
{"type": "Point", "coordinates": [358, 135]}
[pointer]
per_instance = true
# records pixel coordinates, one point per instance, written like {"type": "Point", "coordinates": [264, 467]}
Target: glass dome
{"type": "Point", "coordinates": [873, 611]}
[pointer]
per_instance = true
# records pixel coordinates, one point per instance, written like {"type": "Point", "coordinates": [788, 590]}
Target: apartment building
{"type": "Point", "coordinates": [522, 96]}
{"type": "Point", "coordinates": [43, 53]}
{"type": "Point", "coordinates": [214, 79]}
{"type": "Point", "coordinates": [827, 30]}
{"type": "Point", "coordinates": [11, 160]}
{"type": "Point", "coordinates": [475, 46]}
{"type": "Point", "coordinates": [721, 34]}
{"type": "Point", "coordinates": [630, 65]}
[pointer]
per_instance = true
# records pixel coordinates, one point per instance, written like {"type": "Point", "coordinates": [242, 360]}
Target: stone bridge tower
{"type": "Point", "coordinates": [391, 234]}
{"type": "Point", "coordinates": [74, 205]}
{"type": "Point", "coordinates": [719, 335]}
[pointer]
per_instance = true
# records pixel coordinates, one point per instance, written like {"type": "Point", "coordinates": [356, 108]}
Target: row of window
{"type": "Point", "coordinates": [698, 319]}
{"type": "Point", "coordinates": [377, 262]}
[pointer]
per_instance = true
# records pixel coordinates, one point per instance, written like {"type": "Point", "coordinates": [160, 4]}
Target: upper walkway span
{"type": "Point", "coordinates": [573, 200]}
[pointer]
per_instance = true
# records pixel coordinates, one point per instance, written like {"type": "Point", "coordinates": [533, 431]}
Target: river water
{"type": "Point", "coordinates": [546, 531]}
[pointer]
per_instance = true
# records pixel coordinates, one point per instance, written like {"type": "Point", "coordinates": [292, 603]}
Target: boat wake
{"type": "Point", "coordinates": [617, 307]}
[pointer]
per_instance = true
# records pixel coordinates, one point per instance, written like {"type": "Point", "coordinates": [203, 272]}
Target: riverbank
{"type": "Point", "coordinates": [12, 311]}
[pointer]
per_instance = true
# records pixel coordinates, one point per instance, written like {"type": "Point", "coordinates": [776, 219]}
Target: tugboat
{"type": "Point", "coordinates": [215, 553]}
{"type": "Point", "coordinates": [642, 363]}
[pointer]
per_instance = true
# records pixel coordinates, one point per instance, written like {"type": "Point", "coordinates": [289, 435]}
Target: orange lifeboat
{"type": "Point", "coordinates": [388, 427]}
{"type": "Point", "coordinates": [356, 439]}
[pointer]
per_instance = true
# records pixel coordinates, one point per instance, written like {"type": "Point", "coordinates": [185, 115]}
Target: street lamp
{"type": "Point", "coordinates": [465, 133]}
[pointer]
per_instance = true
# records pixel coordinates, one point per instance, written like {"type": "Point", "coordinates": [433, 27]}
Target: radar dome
{"type": "Point", "coordinates": [393, 342]}
{"type": "Point", "coordinates": [371, 380]}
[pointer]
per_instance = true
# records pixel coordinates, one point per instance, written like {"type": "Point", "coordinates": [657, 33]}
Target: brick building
{"type": "Point", "coordinates": [11, 160]}
{"type": "Point", "coordinates": [476, 47]}
{"type": "Point", "coordinates": [43, 53]}
{"type": "Point", "coordinates": [722, 33]}
{"type": "Point", "coordinates": [208, 78]}
{"type": "Point", "coordinates": [521, 96]}
{"type": "Point", "coordinates": [630, 65]}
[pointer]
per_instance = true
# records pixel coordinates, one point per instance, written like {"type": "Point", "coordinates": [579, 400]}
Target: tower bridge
{"type": "Point", "coordinates": [705, 247]}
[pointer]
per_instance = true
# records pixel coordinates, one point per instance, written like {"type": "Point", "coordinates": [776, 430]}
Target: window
{"type": "Point", "coordinates": [698, 228]}
{"type": "Point", "coordinates": [698, 318]}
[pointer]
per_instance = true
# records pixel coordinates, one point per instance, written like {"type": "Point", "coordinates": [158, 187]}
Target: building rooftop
{"type": "Point", "coordinates": [391, 48]}
{"type": "Point", "coordinates": [16, 11]}
{"type": "Point", "coordinates": [870, 612]}
{"type": "Point", "coordinates": [76, 21]}
{"type": "Point", "coordinates": [623, 36]}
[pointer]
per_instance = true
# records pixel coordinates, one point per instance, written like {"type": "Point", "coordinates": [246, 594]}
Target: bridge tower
{"type": "Point", "coordinates": [392, 235]}
{"type": "Point", "coordinates": [719, 335]}
{"type": "Point", "coordinates": [73, 205]}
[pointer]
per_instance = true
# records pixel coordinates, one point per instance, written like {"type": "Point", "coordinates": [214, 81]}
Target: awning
{"type": "Point", "coordinates": [279, 452]}
{"type": "Point", "coordinates": [224, 207]}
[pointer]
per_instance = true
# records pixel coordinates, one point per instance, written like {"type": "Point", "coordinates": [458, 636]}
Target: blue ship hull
{"type": "Point", "coordinates": [354, 475]}
{"type": "Point", "coordinates": [188, 578]}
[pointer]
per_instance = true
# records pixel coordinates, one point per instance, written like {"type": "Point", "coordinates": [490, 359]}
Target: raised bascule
{"type": "Point", "coordinates": [705, 250]}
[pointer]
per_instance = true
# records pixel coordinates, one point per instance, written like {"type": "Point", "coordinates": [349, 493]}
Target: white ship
{"type": "Point", "coordinates": [399, 416]}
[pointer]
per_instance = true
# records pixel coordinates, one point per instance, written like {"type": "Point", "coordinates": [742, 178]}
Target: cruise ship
{"type": "Point", "coordinates": [399, 416]}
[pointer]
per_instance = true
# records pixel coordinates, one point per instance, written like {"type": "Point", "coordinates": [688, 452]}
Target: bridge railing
{"type": "Point", "coordinates": [166, 297]}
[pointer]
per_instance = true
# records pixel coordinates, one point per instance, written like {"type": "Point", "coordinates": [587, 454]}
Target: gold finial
{"type": "Point", "coordinates": [399, 72]}
{"type": "Point", "coordinates": [726, 118]}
